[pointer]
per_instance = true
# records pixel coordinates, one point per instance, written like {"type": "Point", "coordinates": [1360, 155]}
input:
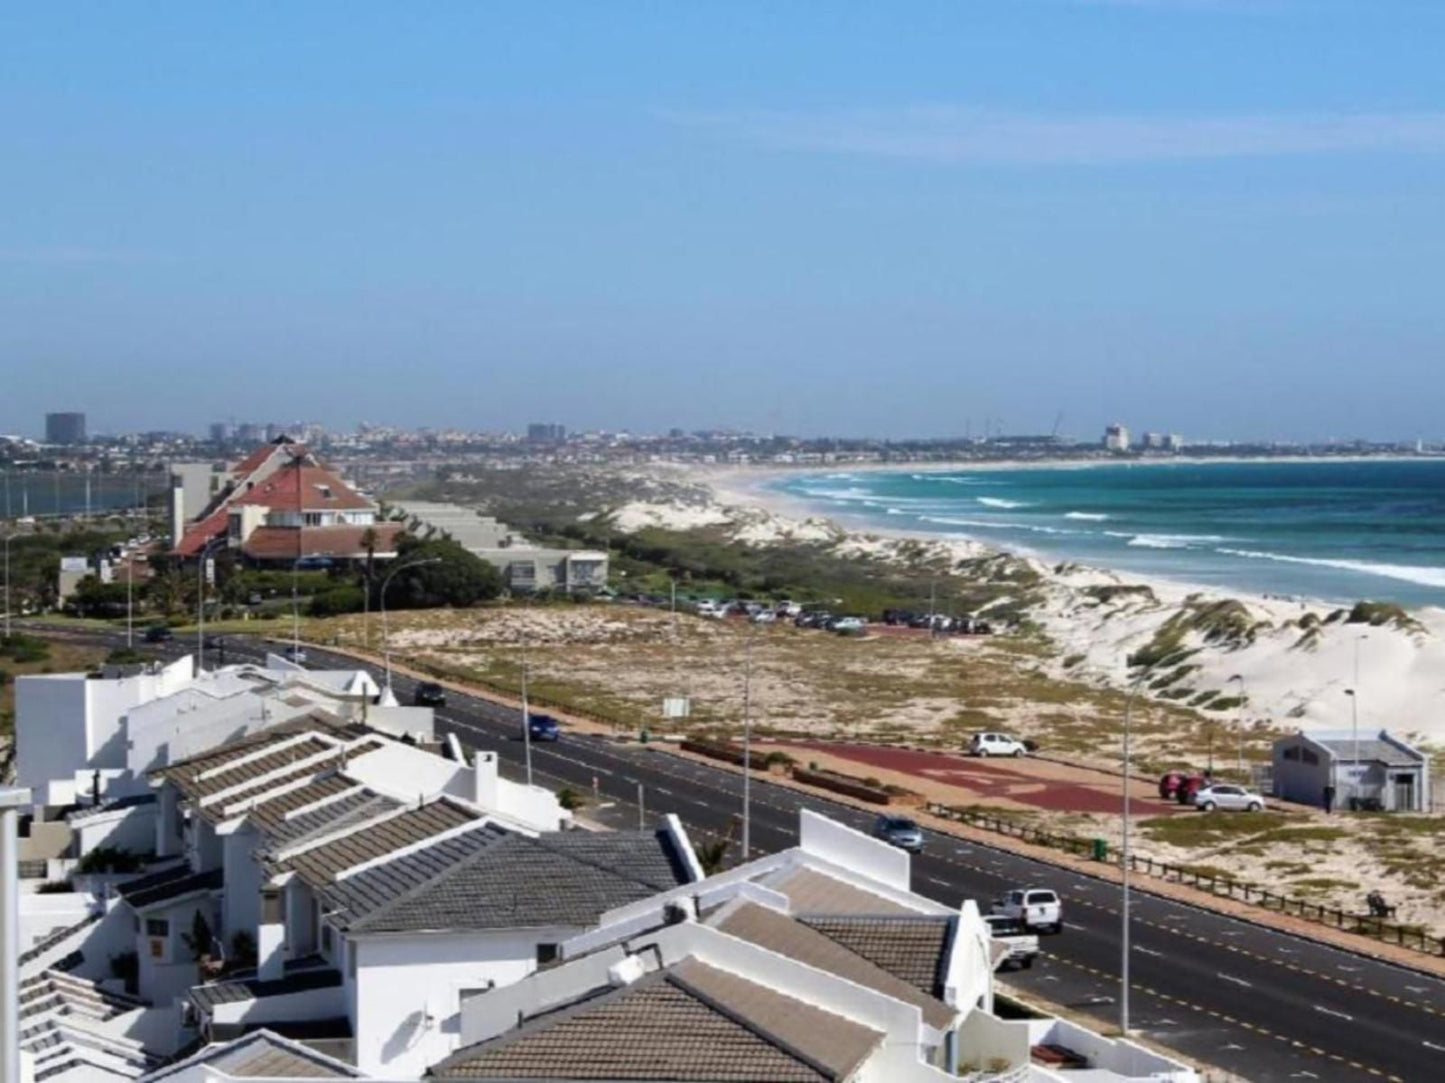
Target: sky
{"type": "Point", "coordinates": [1224, 218]}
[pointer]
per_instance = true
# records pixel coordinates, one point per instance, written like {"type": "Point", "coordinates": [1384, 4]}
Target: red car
{"type": "Point", "coordinates": [1179, 786]}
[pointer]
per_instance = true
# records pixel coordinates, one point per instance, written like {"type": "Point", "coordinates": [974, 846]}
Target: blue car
{"type": "Point", "coordinates": [543, 727]}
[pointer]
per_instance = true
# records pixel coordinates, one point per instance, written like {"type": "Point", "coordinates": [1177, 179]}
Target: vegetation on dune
{"type": "Point", "coordinates": [1383, 614]}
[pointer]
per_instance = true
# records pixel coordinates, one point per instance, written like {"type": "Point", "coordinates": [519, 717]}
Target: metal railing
{"type": "Point", "coordinates": [1377, 928]}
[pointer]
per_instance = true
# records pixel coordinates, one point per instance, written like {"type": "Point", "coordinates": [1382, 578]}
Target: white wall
{"type": "Point", "coordinates": [174, 971]}
{"type": "Point", "coordinates": [41, 915]}
{"type": "Point", "coordinates": [132, 829]}
{"type": "Point", "coordinates": [241, 898]}
{"type": "Point", "coordinates": [50, 728]}
{"type": "Point", "coordinates": [853, 850]}
{"type": "Point", "coordinates": [407, 990]}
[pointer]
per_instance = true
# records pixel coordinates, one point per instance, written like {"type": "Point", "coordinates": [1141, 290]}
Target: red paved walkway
{"type": "Point", "coordinates": [993, 778]}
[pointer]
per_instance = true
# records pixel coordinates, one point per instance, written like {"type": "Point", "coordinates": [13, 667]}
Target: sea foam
{"type": "Point", "coordinates": [1409, 573]}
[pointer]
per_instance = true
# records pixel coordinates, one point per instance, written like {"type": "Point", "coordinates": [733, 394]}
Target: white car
{"type": "Point", "coordinates": [1032, 908]}
{"type": "Point", "coordinates": [709, 608]}
{"type": "Point", "coordinates": [1022, 946]}
{"type": "Point", "coordinates": [996, 744]}
{"type": "Point", "coordinates": [1222, 795]}
{"type": "Point", "coordinates": [844, 625]}
{"type": "Point", "coordinates": [764, 616]}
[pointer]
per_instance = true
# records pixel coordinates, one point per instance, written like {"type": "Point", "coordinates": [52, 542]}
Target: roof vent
{"type": "Point", "coordinates": [680, 911]}
{"type": "Point", "coordinates": [625, 971]}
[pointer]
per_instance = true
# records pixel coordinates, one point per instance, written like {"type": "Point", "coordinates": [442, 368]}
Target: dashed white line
{"type": "Point", "coordinates": [1337, 1015]}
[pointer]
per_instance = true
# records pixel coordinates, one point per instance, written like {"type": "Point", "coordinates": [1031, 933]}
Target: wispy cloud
{"type": "Point", "coordinates": [976, 135]}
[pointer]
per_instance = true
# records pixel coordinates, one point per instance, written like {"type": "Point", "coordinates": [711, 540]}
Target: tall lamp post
{"type": "Point", "coordinates": [748, 742]}
{"type": "Point", "coordinates": [1242, 697]}
{"type": "Point", "coordinates": [1124, 856]}
{"type": "Point", "coordinates": [200, 604]}
{"type": "Point", "coordinates": [385, 638]}
{"type": "Point", "coordinates": [8, 536]}
{"type": "Point", "coordinates": [1354, 693]}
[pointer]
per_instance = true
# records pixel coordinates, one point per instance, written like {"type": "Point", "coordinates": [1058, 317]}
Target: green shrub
{"type": "Point", "coordinates": [338, 600]}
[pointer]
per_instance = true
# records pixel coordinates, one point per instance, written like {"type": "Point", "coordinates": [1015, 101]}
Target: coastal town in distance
{"type": "Point", "coordinates": [395, 754]}
{"type": "Point", "coordinates": [722, 542]}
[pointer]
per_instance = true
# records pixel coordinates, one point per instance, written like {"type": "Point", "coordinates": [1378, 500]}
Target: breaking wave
{"type": "Point", "coordinates": [1409, 573]}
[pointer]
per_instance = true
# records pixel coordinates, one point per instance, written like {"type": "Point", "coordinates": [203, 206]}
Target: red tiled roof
{"type": "Point", "coordinates": [198, 534]}
{"type": "Point", "coordinates": [287, 543]}
{"type": "Point", "coordinates": [300, 485]}
{"type": "Point", "coordinates": [256, 459]}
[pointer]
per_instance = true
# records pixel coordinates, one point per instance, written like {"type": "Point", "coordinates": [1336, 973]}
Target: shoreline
{"type": "Point", "coordinates": [1294, 655]}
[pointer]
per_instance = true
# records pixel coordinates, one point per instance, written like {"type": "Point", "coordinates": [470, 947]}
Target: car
{"type": "Point", "coordinates": [709, 608]}
{"type": "Point", "coordinates": [543, 727]}
{"type": "Point", "coordinates": [213, 642]}
{"type": "Point", "coordinates": [763, 616]}
{"type": "Point", "coordinates": [159, 633]}
{"type": "Point", "coordinates": [899, 831]}
{"type": "Point", "coordinates": [1032, 908]}
{"type": "Point", "coordinates": [787, 610]}
{"type": "Point", "coordinates": [429, 694]}
{"type": "Point", "coordinates": [1022, 945]}
{"type": "Point", "coordinates": [295, 654]}
{"type": "Point", "coordinates": [254, 598]}
{"type": "Point", "coordinates": [996, 744]}
{"type": "Point", "coordinates": [847, 625]}
{"type": "Point", "coordinates": [1228, 797]}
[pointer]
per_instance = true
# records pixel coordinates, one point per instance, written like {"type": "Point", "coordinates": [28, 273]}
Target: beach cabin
{"type": "Point", "coordinates": [1370, 771]}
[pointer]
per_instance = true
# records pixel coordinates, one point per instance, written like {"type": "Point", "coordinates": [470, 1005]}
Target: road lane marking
{"type": "Point", "coordinates": [1237, 981]}
{"type": "Point", "coordinates": [1331, 1011]}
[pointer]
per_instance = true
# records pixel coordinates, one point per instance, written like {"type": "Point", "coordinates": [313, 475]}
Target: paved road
{"type": "Point", "coordinates": [1265, 1005]}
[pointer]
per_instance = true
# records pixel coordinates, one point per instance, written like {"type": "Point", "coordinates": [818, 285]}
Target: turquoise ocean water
{"type": "Point", "coordinates": [1337, 531]}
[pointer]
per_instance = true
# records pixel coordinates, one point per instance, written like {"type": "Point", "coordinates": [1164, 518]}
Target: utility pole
{"type": "Point", "coordinates": [8, 536]}
{"type": "Point", "coordinates": [1124, 858]}
{"type": "Point", "coordinates": [526, 714]}
{"type": "Point", "coordinates": [748, 742]}
{"type": "Point", "coordinates": [1242, 697]}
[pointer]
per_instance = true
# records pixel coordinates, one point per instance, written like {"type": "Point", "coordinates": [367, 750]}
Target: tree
{"type": "Point", "coordinates": [198, 940]}
{"type": "Point", "coordinates": [92, 598]}
{"type": "Point", "coordinates": [459, 578]}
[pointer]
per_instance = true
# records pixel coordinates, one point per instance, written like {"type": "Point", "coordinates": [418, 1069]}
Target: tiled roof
{"type": "Point", "coordinates": [782, 934]}
{"type": "Point", "coordinates": [283, 826]}
{"type": "Point", "coordinates": [258, 456]}
{"type": "Point", "coordinates": [285, 542]}
{"type": "Point", "coordinates": [174, 883]}
{"type": "Point", "coordinates": [40, 947]}
{"type": "Point", "coordinates": [912, 948]}
{"type": "Point", "coordinates": [239, 990]}
{"type": "Point", "coordinates": [54, 991]}
{"type": "Point", "coordinates": [318, 865]}
{"type": "Point", "coordinates": [487, 879]}
{"type": "Point", "coordinates": [261, 1055]}
{"type": "Point", "coordinates": [812, 892]}
{"type": "Point", "coordinates": [315, 721]}
{"type": "Point", "coordinates": [302, 485]}
{"type": "Point", "coordinates": [199, 533]}
{"type": "Point", "coordinates": [689, 1023]}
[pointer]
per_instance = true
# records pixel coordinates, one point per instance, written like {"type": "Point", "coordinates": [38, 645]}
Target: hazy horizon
{"type": "Point", "coordinates": [1214, 217]}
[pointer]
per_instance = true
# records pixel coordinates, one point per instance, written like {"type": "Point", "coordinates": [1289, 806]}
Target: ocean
{"type": "Point", "coordinates": [1336, 531]}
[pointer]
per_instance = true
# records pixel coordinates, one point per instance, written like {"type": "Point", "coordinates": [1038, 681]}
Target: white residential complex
{"type": "Point", "coordinates": [314, 888]}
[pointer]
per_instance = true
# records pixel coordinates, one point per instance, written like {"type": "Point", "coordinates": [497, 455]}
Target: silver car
{"type": "Point", "coordinates": [1223, 795]}
{"type": "Point", "coordinates": [899, 831]}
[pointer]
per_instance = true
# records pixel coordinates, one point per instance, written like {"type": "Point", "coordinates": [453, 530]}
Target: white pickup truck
{"type": "Point", "coordinates": [1022, 945]}
{"type": "Point", "coordinates": [1033, 908]}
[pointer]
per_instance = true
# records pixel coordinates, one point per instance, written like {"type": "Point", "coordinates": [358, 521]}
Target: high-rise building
{"type": "Point", "coordinates": [1116, 438]}
{"type": "Point", "coordinates": [539, 432]}
{"type": "Point", "coordinates": [221, 432]}
{"type": "Point", "coordinates": [65, 428]}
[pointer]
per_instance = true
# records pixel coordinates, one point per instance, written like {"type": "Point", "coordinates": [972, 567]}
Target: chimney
{"type": "Point", "coordinates": [484, 781]}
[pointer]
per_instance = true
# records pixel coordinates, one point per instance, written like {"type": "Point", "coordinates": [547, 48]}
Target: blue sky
{"type": "Point", "coordinates": [1221, 217]}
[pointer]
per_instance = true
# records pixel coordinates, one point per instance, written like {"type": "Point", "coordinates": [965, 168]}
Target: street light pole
{"type": "Point", "coordinates": [8, 536]}
{"type": "Point", "coordinates": [385, 637]}
{"type": "Point", "coordinates": [1124, 859]}
{"type": "Point", "coordinates": [526, 713]}
{"type": "Point", "coordinates": [1242, 697]}
{"type": "Point", "coordinates": [1354, 710]}
{"type": "Point", "coordinates": [200, 605]}
{"type": "Point", "coordinates": [748, 742]}
{"type": "Point", "coordinates": [130, 602]}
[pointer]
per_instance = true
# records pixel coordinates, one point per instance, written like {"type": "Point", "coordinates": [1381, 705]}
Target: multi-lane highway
{"type": "Point", "coordinates": [1263, 1004]}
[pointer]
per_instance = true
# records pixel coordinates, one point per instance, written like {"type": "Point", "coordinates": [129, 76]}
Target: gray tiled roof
{"type": "Point", "coordinates": [320, 864]}
{"type": "Point", "coordinates": [236, 991]}
{"type": "Point", "coordinates": [812, 892]}
{"type": "Point", "coordinates": [336, 815]}
{"type": "Point", "coordinates": [173, 883]}
{"type": "Point", "coordinates": [688, 1024]}
{"type": "Point", "coordinates": [912, 948]}
{"type": "Point", "coordinates": [787, 936]}
{"type": "Point", "coordinates": [261, 1055]}
{"type": "Point", "coordinates": [185, 773]}
{"type": "Point", "coordinates": [489, 879]}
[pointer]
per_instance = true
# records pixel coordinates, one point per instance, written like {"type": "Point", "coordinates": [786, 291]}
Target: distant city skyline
{"type": "Point", "coordinates": [1214, 218]}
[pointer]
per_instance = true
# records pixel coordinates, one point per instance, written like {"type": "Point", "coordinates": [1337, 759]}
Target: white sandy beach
{"type": "Point", "coordinates": [1292, 680]}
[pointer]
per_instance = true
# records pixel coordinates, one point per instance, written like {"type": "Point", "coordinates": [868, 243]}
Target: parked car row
{"type": "Point", "coordinates": [1207, 795]}
{"type": "Point", "coordinates": [938, 622]}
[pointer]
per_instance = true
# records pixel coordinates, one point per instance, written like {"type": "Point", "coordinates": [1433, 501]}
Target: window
{"type": "Point", "coordinates": [1310, 756]}
{"type": "Point", "coordinates": [271, 910]}
{"type": "Point", "coordinates": [311, 518]}
{"type": "Point", "coordinates": [1291, 753]}
{"type": "Point", "coordinates": [158, 927]}
{"type": "Point", "coordinates": [546, 953]}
